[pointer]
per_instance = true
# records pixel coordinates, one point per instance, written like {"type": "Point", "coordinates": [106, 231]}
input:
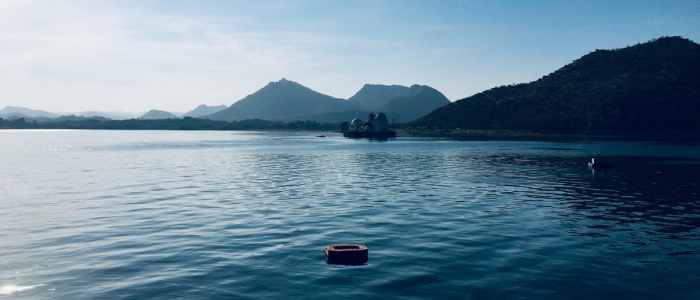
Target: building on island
{"type": "Point", "coordinates": [376, 127]}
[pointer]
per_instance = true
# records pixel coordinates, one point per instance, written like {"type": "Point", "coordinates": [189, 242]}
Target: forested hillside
{"type": "Point", "coordinates": [653, 86]}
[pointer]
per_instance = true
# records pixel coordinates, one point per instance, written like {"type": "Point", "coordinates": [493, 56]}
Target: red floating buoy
{"type": "Point", "coordinates": [347, 254]}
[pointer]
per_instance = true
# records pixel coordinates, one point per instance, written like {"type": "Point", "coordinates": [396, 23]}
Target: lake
{"type": "Point", "coordinates": [246, 215]}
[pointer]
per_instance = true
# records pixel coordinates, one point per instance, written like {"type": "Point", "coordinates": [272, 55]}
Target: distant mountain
{"type": "Point", "coordinates": [653, 86]}
{"type": "Point", "coordinates": [343, 116]}
{"type": "Point", "coordinates": [78, 118]}
{"type": "Point", "coordinates": [17, 112]}
{"type": "Point", "coordinates": [204, 110]}
{"type": "Point", "coordinates": [418, 101]}
{"type": "Point", "coordinates": [154, 114]}
{"type": "Point", "coordinates": [372, 96]}
{"type": "Point", "coordinates": [14, 115]}
{"type": "Point", "coordinates": [281, 100]}
{"type": "Point", "coordinates": [114, 115]}
{"type": "Point", "coordinates": [27, 112]}
{"type": "Point", "coordinates": [399, 103]}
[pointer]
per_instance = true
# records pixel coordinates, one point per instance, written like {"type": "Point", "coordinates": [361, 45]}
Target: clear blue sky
{"type": "Point", "coordinates": [174, 55]}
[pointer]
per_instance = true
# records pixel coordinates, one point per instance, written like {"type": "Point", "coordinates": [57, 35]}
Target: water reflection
{"type": "Point", "coordinates": [226, 215]}
{"type": "Point", "coordinates": [649, 198]}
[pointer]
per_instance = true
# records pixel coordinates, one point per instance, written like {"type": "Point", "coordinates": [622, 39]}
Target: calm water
{"type": "Point", "coordinates": [246, 215]}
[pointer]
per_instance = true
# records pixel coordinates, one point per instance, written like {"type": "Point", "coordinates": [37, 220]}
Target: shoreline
{"type": "Point", "coordinates": [509, 135]}
{"type": "Point", "coordinates": [471, 134]}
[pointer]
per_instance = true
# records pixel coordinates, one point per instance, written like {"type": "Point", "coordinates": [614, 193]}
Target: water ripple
{"type": "Point", "coordinates": [246, 215]}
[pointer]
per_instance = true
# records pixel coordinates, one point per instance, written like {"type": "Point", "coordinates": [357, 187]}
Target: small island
{"type": "Point", "coordinates": [376, 127]}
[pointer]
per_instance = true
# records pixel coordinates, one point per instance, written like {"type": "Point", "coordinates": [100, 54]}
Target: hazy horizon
{"type": "Point", "coordinates": [133, 56]}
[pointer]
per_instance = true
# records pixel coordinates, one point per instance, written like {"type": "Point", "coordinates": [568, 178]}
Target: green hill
{"type": "Point", "coordinates": [653, 86]}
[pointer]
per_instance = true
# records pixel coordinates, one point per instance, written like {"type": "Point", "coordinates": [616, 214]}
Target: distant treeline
{"type": "Point", "coordinates": [186, 123]}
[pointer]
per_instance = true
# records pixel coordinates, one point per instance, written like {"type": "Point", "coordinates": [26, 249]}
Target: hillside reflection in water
{"type": "Point", "coordinates": [648, 198]}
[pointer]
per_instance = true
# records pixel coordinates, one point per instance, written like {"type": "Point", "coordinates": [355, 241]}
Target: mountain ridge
{"type": "Point", "coordinates": [203, 110]}
{"type": "Point", "coordinates": [289, 101]}
{"type": "Point", "coordinates": [281, 100]}
{"type": "Point", "coordinates": [372, 96]}
{"type": "Point", "coordinates": [8, 110]}
{"type": "Point", "coordinates": [646, 87]}
{"type": "Point", "coordinates": [418, 101]}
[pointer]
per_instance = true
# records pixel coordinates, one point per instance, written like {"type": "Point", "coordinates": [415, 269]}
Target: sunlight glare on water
{"type": "Point", "coordinates": [9, 289]}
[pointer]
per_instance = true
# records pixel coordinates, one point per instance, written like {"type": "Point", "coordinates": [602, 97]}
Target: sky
{"type": "Point", "coordinates": [70, 56]}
